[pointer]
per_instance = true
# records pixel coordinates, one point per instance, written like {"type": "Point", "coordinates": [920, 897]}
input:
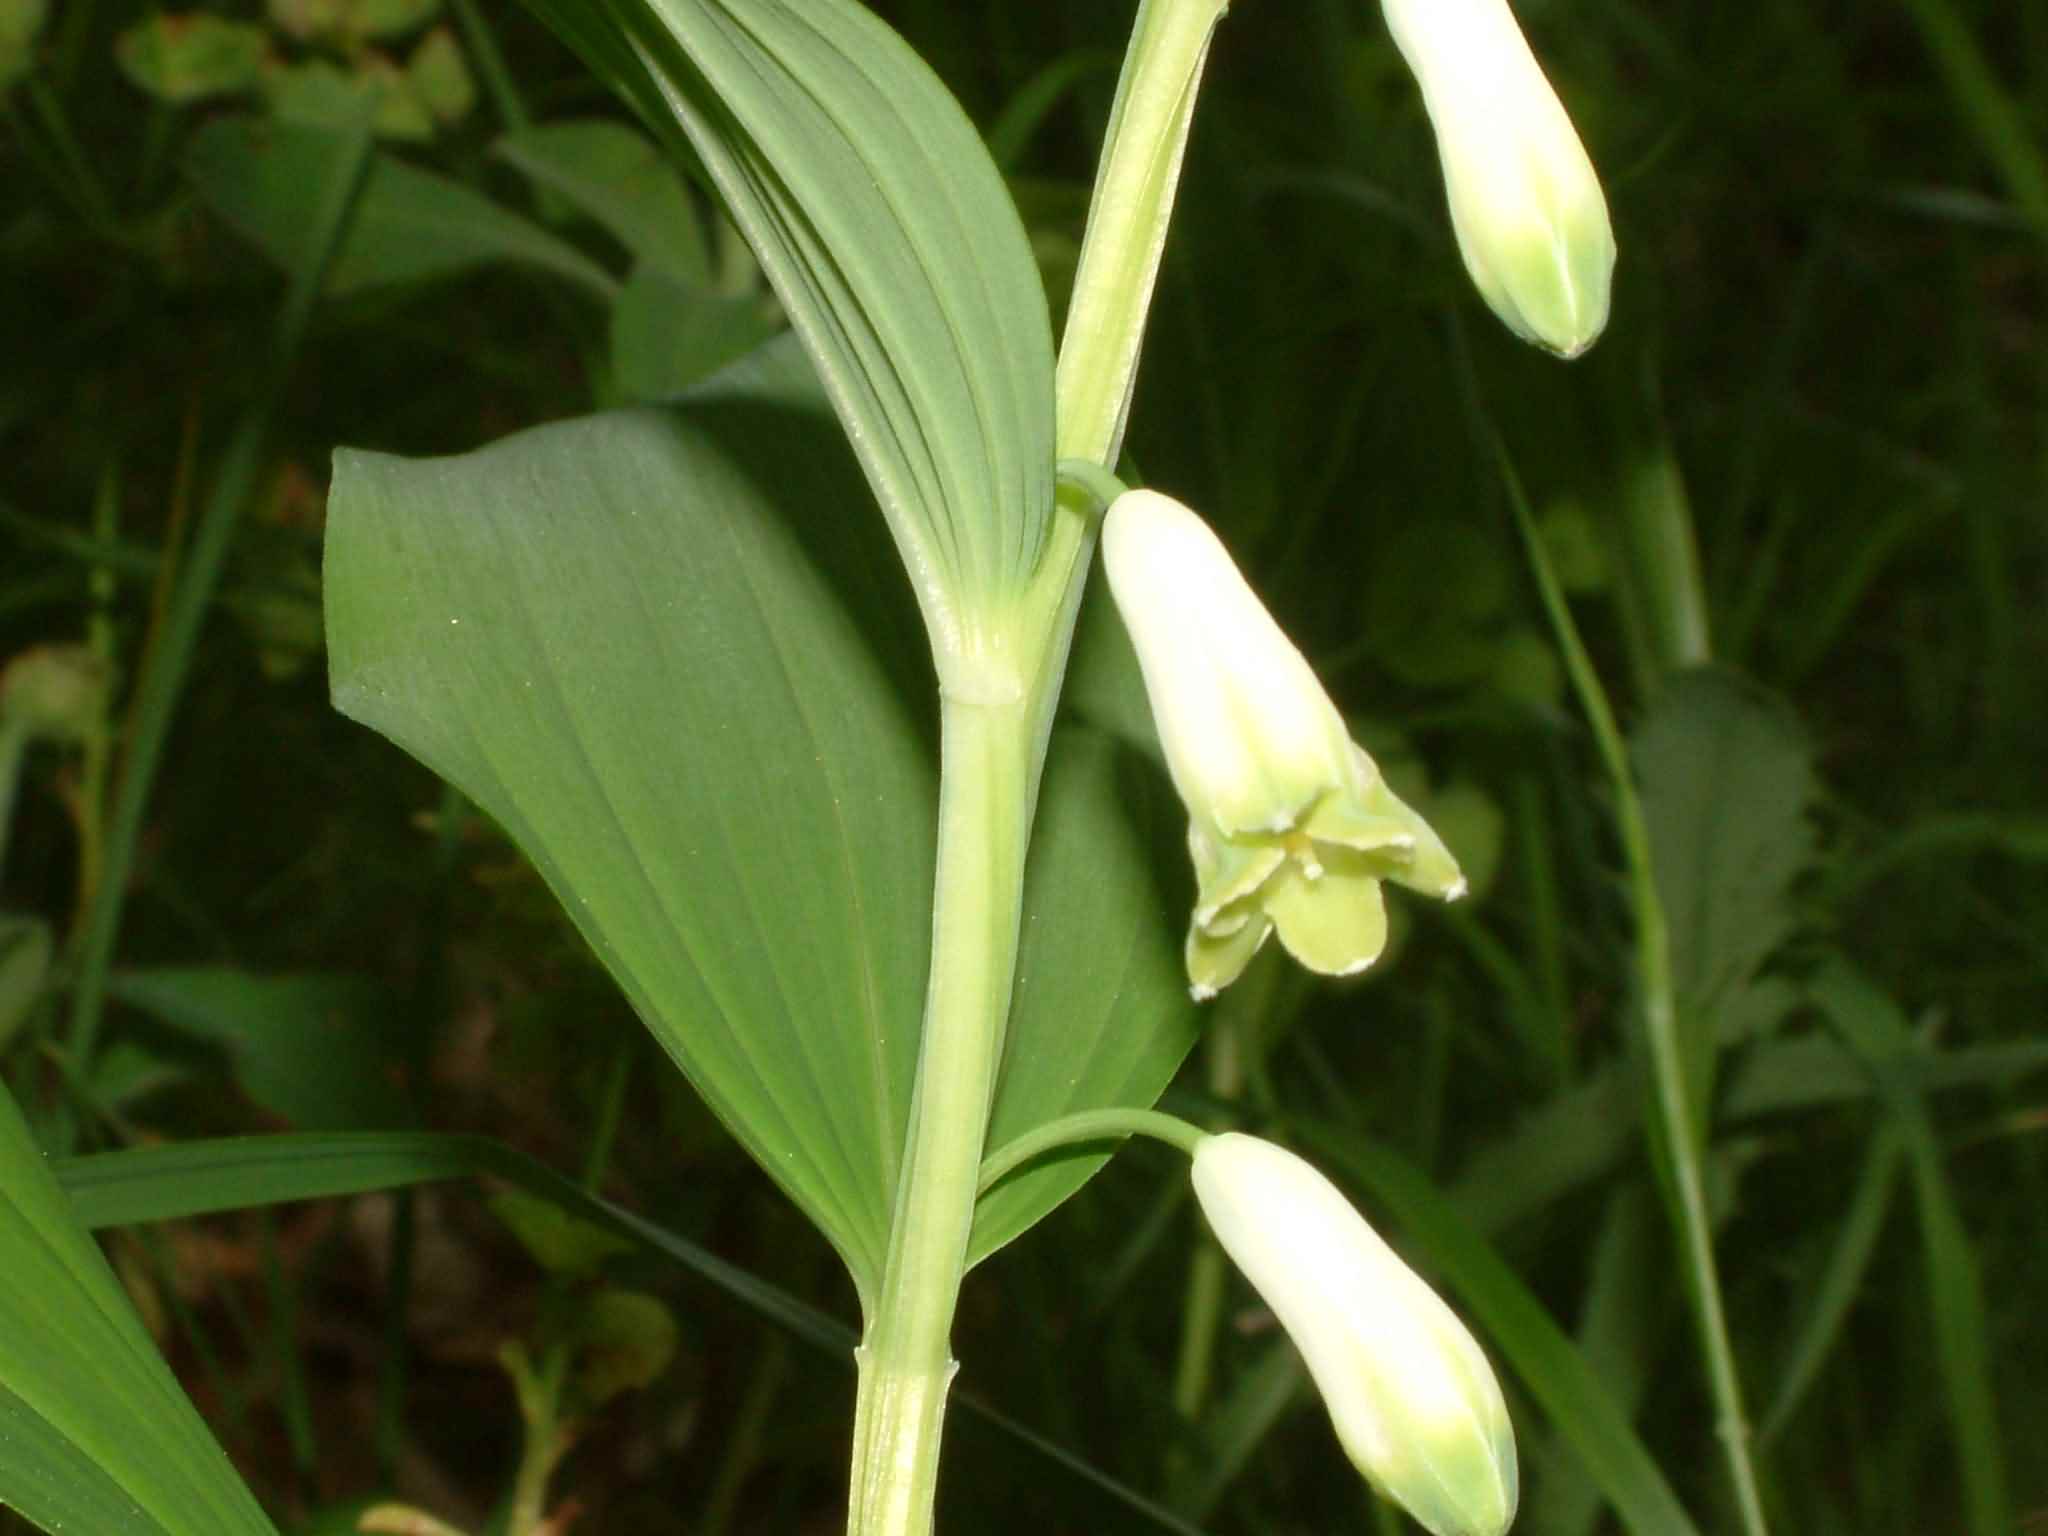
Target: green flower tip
{"type": "Point", "coordinates": [1291, 827]}
{"type": "Point", "coordinates": [1531, 221]}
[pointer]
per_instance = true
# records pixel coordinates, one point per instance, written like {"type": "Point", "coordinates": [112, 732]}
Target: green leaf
{"type": "Point", "coordinates": [893, 245]}
{"type": "Point", "coordinates": [1878, 1032]}
{"type": "Point", "coordinates": [1101, 1014]}
{"type": "Point", "coordinates": [95, 1435]}
{"type": "Point", "coordinates": [698, 705]}
{"type": "Point", "coordinates": [440, 77]}
{"type": "Point", "coordinates": [617, 177]}
{"type": "Point", "coordinates": [667, 337]}
{"type": "Point", "coordinates": [323, 1051]}
{"type": "Point", "coordinates": [25, 950]}
{"type": "Point", "coordinates": [1513, 1323]}
{"type": "Point", "coordinates": [559, 1242]}
{"type": "Point", "coordinates": [318, 93]}
{"type": "Point", "coordinates": [187, 58]}
{"type": "Point", "coordinates": [624, 1341]}
{"type": "Point", "coordinates": [1726, 783]}
{"type": "Point", "coordinates": [410, 225]}
{"type": "Point", "coordinates": [20, 23]}
{"type": "Point", "coordinates": [700, 708]}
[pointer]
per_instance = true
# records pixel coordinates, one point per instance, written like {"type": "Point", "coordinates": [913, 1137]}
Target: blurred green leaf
{"type": "Point", "coordinates": [613, 174]}
{"type": "Point", "coordinates": [21, 22]}
{"type": "Point", "coordinates": [667, 336]}
{"type": "Point", "coordinates": [325, 1052]}
{"type": "Point", "coordinates": [440, 77]}
{"type": "Point", "coordinates": [95, 1434]}
{"type": "Point", "coordinates": [624, 1341]}
{"type": "Point", "coordinates": [384, 19]}
{"type": "Point", "coordinates": [24, 963]}
{"type": "Point", "coordinates": [1875, 1028]}
{"type": "Point", "coordinates": [1726, 784]}
{"type": "Point", "coordinates": [410, 225]}
{"type": "Point", "coordinates": [306, 19]}
{"type": "Point", "coordinates": [318, 93]}
{"type": "Point", "coordinates": [560, 1242]}
{"type": "Point", "coordinates": [192, 56]}
{"type": "Point", "coordinates": [1841, 1282]}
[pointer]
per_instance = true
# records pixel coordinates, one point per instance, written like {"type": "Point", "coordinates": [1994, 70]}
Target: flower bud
{"type": "Point", "coordinates": [1290, 824]}
{"type": "Point", "coordinates": [1412, 1398]}
{"type": "Point", "coordinates": [1530, 219]}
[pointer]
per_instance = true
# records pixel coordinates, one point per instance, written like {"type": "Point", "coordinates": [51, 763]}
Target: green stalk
{"type": "Point", "coordinates": [1681, 1139]}
{"type": "Point", "coordinates": [905, 1360]}
{"type": "Point", "coordinates": [992, 750]}
{"type": "Point", "coordinates": [1119, 266]}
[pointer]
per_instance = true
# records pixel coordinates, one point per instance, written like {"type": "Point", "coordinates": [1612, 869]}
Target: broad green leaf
{"type": "Point", "coordinates": [1515, 1327]}
{"type": "Point", "coordinates": [166, 1183]}
{"type": "Point", "coordinates": [409, 226]}
{"type": "Point", "coordinates": [323, 1051]}
{"type": "Point", "coordinates": [616, 176]}
{"type": "Point", "coordinates": [667, 337]}
{"type": "Point", "coordinates": [95, 1435]}
{"type": "Point", "coordinates": [658, 649]}
{"type": "Point", "coordinates": [1726, 783]}
{"type": "Point", "coordinates": [1101, 1014]}
{"type": "Point", "coordinates": [700, 707]}
{"type": "Point", "coordinates": [893, 245]}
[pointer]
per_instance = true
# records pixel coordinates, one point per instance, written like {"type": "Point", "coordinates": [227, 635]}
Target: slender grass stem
{"type": "Point", "coordinates": [162, 682]}
{"type": "Point", "coordinates": [1680, 1138]}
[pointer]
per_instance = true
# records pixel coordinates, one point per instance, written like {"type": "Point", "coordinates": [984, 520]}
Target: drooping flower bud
{"type": "Point", "coordinates": [1290, 824]}
{"type": "Point", "coordinates": [1412, 1398]}
{"type": "Point", "coordinates": [1530, 218]}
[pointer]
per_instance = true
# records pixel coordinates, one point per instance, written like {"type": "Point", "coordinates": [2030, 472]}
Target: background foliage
{"type": "Point", "coordinates": [1813, 435]}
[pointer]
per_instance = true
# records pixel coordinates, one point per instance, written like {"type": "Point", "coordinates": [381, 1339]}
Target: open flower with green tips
{"type": "Point", "coordinates": [1413, 1400]}
{"type": "Point", "coordinates": [1531, 222]}
{"type": "Point", "coordinates": [1291, 826]}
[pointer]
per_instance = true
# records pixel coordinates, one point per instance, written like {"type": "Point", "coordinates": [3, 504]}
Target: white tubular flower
{"type": "Point", "coordinates": [1413, 1400]}
{"type": "Point", "coordinates": [1531, 222]}
{"type": "Point", "coordinates": [1290, 824]}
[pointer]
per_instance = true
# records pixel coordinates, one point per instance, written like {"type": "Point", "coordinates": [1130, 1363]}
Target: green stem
{"type": "Point", "coordinates": [1083, 1130]}
{"type": "Point", "coordinates": [1231, 1033]}
{"type": "Point", "coordinates": [1682, 1143]}
{"type": "Point", "coordinates": [1127, 220]}
{"type": "Point", "coordinates": [992, 754]}
{"type": "Point", "coordinates": [905, 1360]}
{"type": "Point", "coordinates": [1128, 217]}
